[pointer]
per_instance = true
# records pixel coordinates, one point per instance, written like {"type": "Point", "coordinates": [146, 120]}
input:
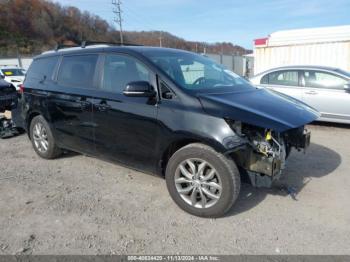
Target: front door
{"type": "Point", "coordinates": [126, 127]}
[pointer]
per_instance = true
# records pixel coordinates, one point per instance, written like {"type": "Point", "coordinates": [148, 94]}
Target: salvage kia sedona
{"type": "Point", "coordinates": [163, 111]}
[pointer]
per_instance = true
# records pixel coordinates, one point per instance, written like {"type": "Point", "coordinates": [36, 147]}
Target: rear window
{"type": "Point", "coordinates": [42, 68]}
{"type": "Point", "coordinates": [77, 71]}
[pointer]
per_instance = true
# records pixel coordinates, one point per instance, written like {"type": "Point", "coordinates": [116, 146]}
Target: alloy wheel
{"type": "Point", "coordinates": [198, 183]}
{"type": "Point", "coordinates": [40, 137]}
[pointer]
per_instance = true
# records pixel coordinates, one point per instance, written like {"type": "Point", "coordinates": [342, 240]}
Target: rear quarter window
{"type": "Point", "coordinates": [265, 79]}
{"type": "Point", "coordinates": [42, 68]}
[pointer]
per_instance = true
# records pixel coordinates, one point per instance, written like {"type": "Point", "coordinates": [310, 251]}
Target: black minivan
{"type": "Point", "coordinates": [163, 111]}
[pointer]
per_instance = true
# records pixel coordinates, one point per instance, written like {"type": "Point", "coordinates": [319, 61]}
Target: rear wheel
{"type": "Point", "coordinates": [202, 181]}
{"type": "Point", "coordinates": [42, 138]}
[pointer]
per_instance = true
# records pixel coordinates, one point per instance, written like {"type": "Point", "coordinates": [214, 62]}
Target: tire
{"type": "Point", "coordinates": [201, 203]}
{"type": "Point", "coordinates": [43, 142]}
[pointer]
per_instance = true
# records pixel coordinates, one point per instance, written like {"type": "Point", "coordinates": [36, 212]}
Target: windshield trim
{"type": "Point", "coordinates": [343, 72]}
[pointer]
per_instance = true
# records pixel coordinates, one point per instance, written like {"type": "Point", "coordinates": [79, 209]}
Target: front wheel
{"type": "Point", "coordinates": [202, 181]}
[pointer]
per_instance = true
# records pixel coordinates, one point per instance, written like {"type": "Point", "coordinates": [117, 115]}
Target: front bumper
{"type": "Point", "coordinates": [305, 139]}
{"type": "Point", "coordinates": [263, 170]}
{"type": "Point", "coordinates": [299, 138]}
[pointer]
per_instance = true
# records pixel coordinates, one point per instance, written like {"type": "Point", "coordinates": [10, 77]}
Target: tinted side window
{"type": "Point", "coordinates": [323, 80]}
{"type": "Point", "coordinates": [77, 71]}
{"type": "Point", "coordinates": [119, 70]}
{"type": "Point", "coordinates": [285, 78]}
{"type": "Point", "coordinates": [42, 68]}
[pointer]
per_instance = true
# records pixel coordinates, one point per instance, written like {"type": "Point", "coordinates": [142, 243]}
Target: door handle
{"type": "Point", "coordinates": [103, 107]}
{"type": "Point", "coordinates": [85, 105]}
{"type": "Point", "coordinates": [311, 92]}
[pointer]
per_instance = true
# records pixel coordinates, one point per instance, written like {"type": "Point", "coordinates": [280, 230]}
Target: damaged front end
{"type": "Point", "coordinates": [264, 155]}
{"type": "Point", "coordinates": [267, 125]}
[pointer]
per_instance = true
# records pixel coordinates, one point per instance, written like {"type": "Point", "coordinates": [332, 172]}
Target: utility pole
{"type": "Point", "coordinates": [160, 39]}
{"type": "Point", "coordinates": [118, 17]}
{"type": "Point", "coordinates": [19, 57]}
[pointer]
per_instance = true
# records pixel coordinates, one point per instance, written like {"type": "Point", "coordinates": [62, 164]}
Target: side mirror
{"type": "Point", "coordinates": [139, 89]}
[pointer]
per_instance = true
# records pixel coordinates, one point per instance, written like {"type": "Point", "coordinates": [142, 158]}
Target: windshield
{"type": "Point", "coordinates": [13, 72]}
{"type": "Point", "coordinates": [345, 73]}
{"type": "Point", "coordinates": [195, 72]}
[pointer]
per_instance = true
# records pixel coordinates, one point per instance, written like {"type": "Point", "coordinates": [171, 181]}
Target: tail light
{"type": "Point", "coordinates": [21, 89]}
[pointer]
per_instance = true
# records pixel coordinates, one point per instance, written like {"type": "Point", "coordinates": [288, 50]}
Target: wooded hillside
{"type": "Point", "coordinates": [33, 26]}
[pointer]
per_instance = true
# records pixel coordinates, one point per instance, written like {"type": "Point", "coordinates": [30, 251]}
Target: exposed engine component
{"type": "Point", "coordinates": [267, 143]}
{"type": "Point", "coordinates": [266, 153]}
{"type": "Point", "coordinates": [270, 146]}
{"type": "Point", "coordinates": [264, 157]}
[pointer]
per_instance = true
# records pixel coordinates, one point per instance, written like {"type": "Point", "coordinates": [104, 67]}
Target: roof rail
{"type": "Point", "coordinates": [87, 43]}
{"type": "Point", "coordinates": [61, 46]}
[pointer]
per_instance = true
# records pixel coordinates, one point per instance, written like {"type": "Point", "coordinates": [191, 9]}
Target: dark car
{"type": "Point", "coordinates": [163, 111]}
{"type": "Point", "coordinates": [8, 96]}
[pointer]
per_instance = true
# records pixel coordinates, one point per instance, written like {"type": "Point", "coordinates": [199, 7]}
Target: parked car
{"type": "Point", "coordinates": [163, 111]}
{"type": "Point", "coordinates": [8, 96]}
{"type": "Point", "coordinates": [13, 74]}
{"type": "Point", "coordinates": [326, 89]}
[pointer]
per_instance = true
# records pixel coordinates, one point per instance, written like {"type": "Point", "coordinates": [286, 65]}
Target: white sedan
{"type": "Point", "coordinates": [13, 75]}
{"type": "Point", "coordinates": [323, 88]}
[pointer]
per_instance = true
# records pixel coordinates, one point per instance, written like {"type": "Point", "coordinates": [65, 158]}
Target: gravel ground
{"type": "Point", "coordinates": [81, 205]}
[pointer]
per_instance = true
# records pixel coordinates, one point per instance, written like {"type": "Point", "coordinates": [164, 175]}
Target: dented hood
{"type": "Point", "coordinates": [259, 107]}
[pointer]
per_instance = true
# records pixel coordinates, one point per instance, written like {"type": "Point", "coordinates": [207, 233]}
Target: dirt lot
{"type": "Point", "coordinates": [81, 205]}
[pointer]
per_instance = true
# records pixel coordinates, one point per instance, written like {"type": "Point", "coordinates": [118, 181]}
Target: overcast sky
{"type": "Point", "coordinates": [222, 20]}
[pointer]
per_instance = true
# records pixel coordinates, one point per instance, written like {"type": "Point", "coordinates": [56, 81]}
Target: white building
{"type": "Point", "coordinates": [326, 46]}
